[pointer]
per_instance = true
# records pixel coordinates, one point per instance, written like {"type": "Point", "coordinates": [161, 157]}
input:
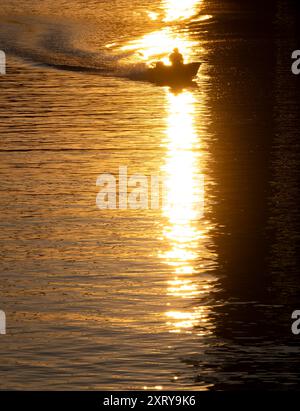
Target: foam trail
{"type": "Point", "coordinates": [45, 42]}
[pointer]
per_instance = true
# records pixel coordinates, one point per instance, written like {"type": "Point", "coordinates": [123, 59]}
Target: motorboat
{"type": "Point", "coordinates": [173, 74]}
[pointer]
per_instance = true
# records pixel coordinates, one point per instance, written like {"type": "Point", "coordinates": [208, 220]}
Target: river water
{"type": "Point", "coordinates": [161, 298]}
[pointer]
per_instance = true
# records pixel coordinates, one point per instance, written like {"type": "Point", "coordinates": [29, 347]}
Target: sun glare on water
{"type": "Point", "coordinates": [177, 10]}
{"type": "Point", "coordinates": [186, 231]}
{"type": "Point", "coordinates": [159, 44]}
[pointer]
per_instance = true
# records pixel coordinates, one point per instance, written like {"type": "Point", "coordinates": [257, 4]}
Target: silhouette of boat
{"type": "Point", "coordinates": [172, 75]}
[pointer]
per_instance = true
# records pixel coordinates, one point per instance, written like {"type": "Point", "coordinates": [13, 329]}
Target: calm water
{"type": "Point", "coordinates": [124, 299]}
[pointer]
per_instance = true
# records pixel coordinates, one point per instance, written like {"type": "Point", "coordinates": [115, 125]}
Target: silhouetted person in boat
{"type": "Point", "coordinates": [176, 58]}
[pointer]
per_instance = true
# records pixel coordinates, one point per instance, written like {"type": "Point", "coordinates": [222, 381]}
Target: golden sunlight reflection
{"type": "Point", "coordinates": [152, 15]}
{"type": "Point", "coordinates": [177, 10]}
{"type": "Point", "coordinates": [186, 232]}
{"type": "Point", "coordinates": [158, 45]}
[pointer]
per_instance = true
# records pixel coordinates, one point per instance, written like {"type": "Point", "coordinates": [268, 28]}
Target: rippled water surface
{"type": "Point", "coordinates": [159, 298]}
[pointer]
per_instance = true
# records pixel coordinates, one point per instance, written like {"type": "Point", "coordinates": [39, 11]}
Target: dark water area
{"type": "Point", "coordinates": [258, 117]}
{"type": "Point", "coordinates": [150, 299]}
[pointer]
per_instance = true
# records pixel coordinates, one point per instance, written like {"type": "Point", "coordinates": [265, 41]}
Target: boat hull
{"type": "Point", "coordinates": [172, 75]}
